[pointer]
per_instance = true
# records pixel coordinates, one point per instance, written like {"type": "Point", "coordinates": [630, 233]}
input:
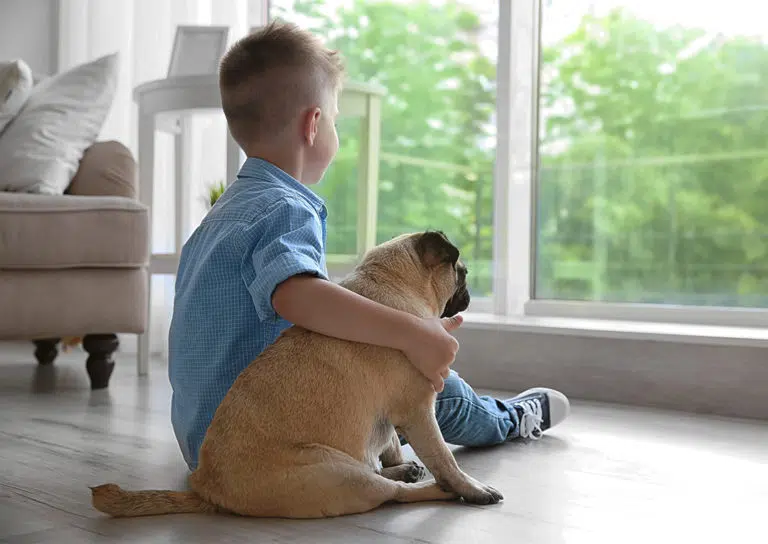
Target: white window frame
{"type": "Point", "coordinates": [513, 247]}
{"type": "Point", "coordinates": [515, 197]}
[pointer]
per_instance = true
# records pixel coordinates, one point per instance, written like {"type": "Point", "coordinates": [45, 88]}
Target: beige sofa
{"type": "Point", "coordinates": [76, 265]}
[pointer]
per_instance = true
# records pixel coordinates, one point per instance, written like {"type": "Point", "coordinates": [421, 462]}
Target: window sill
{"type": "Point", "coordinates": [630, 330]}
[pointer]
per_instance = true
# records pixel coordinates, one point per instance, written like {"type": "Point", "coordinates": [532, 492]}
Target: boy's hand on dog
{"type": "Point", "coordinates": [432, 349]}
{"type": "Point", "coordinates": [329, 309]}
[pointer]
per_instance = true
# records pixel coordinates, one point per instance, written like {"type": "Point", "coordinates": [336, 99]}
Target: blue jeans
{"type": "Point", "coordinates": [467, 419]}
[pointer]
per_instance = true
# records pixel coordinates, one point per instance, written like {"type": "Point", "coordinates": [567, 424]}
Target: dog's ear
{"type": "Point", "coordinates": [435, 249]}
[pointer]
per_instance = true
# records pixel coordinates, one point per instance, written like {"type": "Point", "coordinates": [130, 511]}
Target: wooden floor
{"type": "Point", "coordinates": [608, 475]}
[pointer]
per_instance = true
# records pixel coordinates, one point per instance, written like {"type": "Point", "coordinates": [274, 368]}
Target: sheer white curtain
{"type": "Point", "coordinates": [142, 31]}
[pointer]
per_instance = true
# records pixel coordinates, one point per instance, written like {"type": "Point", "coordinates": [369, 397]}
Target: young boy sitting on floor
{"type": "Point", "coordinates": [256, 264]}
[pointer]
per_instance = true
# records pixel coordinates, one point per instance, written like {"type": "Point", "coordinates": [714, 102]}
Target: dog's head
{"type": "Point", "coordinates": [426, 264]}
{"type": "Point", "coordinates": [441, 259]}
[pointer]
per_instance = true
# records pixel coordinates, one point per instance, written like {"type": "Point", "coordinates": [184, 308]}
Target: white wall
{"type": "Point", "coordinates": [29, 30]}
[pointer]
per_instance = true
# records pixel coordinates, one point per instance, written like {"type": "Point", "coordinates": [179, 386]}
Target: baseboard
{"type": "Point", "coordinates": [720, 380]}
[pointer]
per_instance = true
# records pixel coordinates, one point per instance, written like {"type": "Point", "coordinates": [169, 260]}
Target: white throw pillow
{"type": "Point", "coordinates": [15, 87]}
{"type": "Point", "coordinates": [41, 148]}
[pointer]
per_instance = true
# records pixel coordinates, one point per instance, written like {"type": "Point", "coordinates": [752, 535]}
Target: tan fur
{"type": "Point", "coordinates": [69, 342]}
{"type": "Point", "coordinates": [305, 427]}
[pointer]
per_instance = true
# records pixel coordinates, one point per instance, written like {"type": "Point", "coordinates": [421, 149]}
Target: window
{"type": "Point", "coordinates": [652, 159]}
{"type": "Point", "coordinates": [595, 158]}
{"type": "Point", "coordinates": [437, 61]}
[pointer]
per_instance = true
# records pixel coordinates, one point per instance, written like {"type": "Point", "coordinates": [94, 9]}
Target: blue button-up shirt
{"type": "Point", "coordinates": [265, 228]}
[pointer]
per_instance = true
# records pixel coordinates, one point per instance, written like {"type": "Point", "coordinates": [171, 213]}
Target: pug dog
{"type": "Point", "coordinates": [311, 427]}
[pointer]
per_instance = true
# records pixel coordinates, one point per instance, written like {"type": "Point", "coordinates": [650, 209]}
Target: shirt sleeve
{"type": "Point", "coordinates": [289, 242]}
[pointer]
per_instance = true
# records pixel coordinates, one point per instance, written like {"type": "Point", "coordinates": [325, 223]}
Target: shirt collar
{"type": "Point", "coordinates": [254, 168]}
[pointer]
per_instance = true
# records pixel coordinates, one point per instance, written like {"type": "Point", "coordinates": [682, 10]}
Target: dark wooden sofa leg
{"type": "Point", "coordinates": [100, 364]}
{"type": "Point", "coordinates": [46, 350]}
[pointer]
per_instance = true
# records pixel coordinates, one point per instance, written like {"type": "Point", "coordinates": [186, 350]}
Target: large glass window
{"type": "Point", "coordinates": [653, 158]}
{"type": "Point", "coordinates": [437, 61]}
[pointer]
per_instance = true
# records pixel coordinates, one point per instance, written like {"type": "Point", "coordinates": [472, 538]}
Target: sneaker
{"type": "Point", "coordinates": [539, 409]}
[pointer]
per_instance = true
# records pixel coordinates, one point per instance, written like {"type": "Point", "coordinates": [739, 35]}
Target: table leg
{"type": "Point", "coordinates": [146, 160]}
{"type": "Point", "coordinates": [368, 176]}
{"type": "Point", "coordinates": [182, 181]}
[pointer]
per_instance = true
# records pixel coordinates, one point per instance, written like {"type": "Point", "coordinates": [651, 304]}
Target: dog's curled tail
{"type": "Point", "coordinates": [118, 503]}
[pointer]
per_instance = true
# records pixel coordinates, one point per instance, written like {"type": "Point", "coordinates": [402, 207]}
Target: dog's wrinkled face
{"type": "Point", "coordinates": [449, 274]}
{"type": "Point", "coordinates": [460, 299]}
{"type": "Point", "coordinates": [424, 264]}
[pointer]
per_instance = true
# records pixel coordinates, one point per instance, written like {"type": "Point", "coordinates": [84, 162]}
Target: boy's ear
{"type": "Point", "coordinates": [434, 249]}
{"type": "Point", "coordinates": [311, 125]}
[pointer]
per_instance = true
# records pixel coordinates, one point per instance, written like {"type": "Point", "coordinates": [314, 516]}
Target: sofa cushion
{"type": "Point", "coordinates": [41, 149]}
{"type": "Point", "coordinates": [15, 87]}
{"type": "Point", "coordinates": [51, 231]}
{"type": "Point", "coordinates": [106, 169]}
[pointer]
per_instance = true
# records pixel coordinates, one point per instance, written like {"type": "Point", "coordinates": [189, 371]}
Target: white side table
{"type": "Point", "coordinates": [164, 103]}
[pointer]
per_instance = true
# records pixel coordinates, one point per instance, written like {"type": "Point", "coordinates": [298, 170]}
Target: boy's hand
{"type": "Point", "coordinates": [432, 350]}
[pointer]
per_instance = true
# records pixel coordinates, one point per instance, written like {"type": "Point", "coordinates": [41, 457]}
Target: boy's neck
{"type": "Point", "coordinates": [289, 161]}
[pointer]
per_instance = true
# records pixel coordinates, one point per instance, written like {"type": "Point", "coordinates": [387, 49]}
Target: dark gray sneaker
{"type": "Point", "coordinates": [538, 409]}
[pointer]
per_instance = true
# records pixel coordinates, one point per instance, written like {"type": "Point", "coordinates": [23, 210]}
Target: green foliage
{"type": "Point", "coordinates": [215, 190]}
{"type": "Point", "coordinates": [438, 109]}
{"type": "Point", "coordinates": [653, 179]}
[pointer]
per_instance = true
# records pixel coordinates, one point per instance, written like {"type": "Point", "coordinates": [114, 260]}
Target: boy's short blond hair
{"type": "Point", "coordinates": [267, 77]}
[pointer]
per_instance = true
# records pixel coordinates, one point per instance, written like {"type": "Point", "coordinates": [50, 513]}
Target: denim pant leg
{"type": "Point", "coordinates": [467, 419]}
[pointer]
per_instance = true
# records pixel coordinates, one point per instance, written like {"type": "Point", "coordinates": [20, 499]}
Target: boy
{"type": "Point", "coordinates": [256, 264]}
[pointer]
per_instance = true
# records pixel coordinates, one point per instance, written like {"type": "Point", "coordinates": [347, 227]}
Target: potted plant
{"type": "Point", "coordinates": [215, 191]}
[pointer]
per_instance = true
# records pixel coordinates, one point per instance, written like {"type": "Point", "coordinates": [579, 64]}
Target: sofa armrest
{"type": "Point", "coordinates": [106, 169]}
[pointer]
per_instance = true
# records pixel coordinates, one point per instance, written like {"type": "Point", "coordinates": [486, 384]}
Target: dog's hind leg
{"type": "Point", "coordinates": [394, 465]}
{"type": "Point", "coordinates": [407, 472]}
{"type": "Point", "coordinates": [392, 456]}
{"type": "Point", "coordinates": [338, 485]}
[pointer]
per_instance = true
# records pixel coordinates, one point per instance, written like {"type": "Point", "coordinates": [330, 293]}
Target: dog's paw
{"type": "Point", "coordinates": [477, 493]}
{"type": "Point", "coordinates": [414, 472]}
{"type": "Point", "coordinates": [409, 472]}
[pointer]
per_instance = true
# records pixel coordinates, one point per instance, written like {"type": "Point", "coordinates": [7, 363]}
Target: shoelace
{"type": "Point", "coordinates": [531, 419]}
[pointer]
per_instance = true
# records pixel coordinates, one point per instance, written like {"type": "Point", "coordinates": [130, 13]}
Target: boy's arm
{"type": "Point", "coordinates": [327, 308]}
{"type": "Point", "coordinates": [285, 278]}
